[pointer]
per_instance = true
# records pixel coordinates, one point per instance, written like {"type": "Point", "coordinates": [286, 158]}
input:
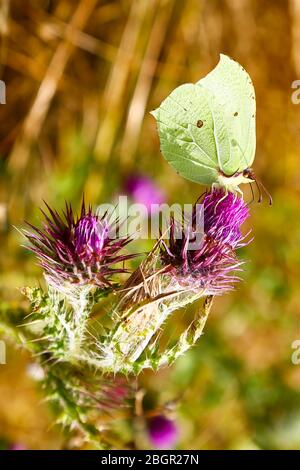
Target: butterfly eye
{"type": "Point", "coordinates": [199, 123]}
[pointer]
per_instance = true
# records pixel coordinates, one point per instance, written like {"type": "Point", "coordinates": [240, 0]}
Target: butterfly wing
{"type": "Point", "coordinates": [232, 86]}
{"type": "Point", "coordinates": [194, 137]}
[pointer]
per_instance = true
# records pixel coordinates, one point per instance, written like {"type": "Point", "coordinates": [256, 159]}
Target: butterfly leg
{"type": "Point", "coordinates": [222, 199]}
{"type": "Point", "coordinates": [237, 190]}
{"type": "Point", "coordinates": [252, 192]}
{"type": "Point", "coordinates": [215, 186]}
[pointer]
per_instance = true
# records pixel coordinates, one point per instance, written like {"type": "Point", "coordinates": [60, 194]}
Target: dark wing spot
{"type": "Point", "coordinates": [236, 113]}
{"type": "Point", "coordinates": [199, 123]}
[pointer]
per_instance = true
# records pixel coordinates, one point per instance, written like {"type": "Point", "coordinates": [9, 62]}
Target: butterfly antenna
{"type": "Point", "coordinates": [252, 192]}
{"type": "Point", "coordinates": [260, 186]}
{"type": "Point", "coordinates": [266, 192]}
{"type": "Point", "coordinates": [258, 183]}
{"type": "Point", "coordinates": [260, 196]}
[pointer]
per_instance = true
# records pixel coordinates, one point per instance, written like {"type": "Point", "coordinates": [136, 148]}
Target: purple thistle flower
{"type": "Point", "coordinates": [223, 217]}
{"type": "Point", "coordinates": [210, 266]}
{"type": "Point", "coordinates": [144, 191]}
{"type": "Point", "coordinates": [17, 446]}
{"type": "Point", "coordinates": [162, 432]}
{"type": "Point", "coordinates": [77, 250]}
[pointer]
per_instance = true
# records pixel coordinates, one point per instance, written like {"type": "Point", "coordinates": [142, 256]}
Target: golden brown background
{"type": "Point", "coordinates": [81, 78]}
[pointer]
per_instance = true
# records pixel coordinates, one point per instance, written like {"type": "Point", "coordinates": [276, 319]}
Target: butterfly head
{"type": "Point", "coordinates": [248, 173]}
{"type": "Point", "coordinates": [231, 182]}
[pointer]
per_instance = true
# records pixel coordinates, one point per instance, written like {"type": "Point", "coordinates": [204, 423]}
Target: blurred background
{"type": "Point", "coordinates": [81, 78]}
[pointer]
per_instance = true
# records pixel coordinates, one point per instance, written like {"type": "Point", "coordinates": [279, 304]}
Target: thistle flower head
{"type": "Point", "coordinates": [223, 217]}
{"type": "Point", "coordinates": [144, 191]}
{"type": "Point", "coordinates": [79, 250]}
{"type": "Point", "coordinates": [90, 238]}
{"type": "Point", "coordinates": [210, 265]}
{"type": "Point", "coordinates": [162, 432]}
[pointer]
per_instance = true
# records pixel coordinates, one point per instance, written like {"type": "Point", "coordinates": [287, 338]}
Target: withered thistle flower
{"type": "Point", "coordinates": [210, 266]}
{"type": "Point", "coordinates": [77, 250]}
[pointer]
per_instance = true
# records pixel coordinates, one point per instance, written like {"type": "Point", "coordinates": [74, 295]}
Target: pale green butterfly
{"type": "Point", "coordinates": [207, 129]}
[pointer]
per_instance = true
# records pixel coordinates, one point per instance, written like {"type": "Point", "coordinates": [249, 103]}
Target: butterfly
{"type": "Point", "coordinates": [207, 130]}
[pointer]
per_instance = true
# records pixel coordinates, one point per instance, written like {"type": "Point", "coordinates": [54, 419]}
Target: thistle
{"type": "Point", "coordinates": [80, 355]}
{"type": "Point", "coordinates": [77, 250]}
{"type": "Point", "coordinates": [144, 191]}
{"type": "Point", "coordinates": [163, 432]}
{"type": "Point", "coordinates": [78, 255]}
{"type": "Point", "coordinates": [210, 266]}
{"type": "Point", "coordinates": [172, 277]}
